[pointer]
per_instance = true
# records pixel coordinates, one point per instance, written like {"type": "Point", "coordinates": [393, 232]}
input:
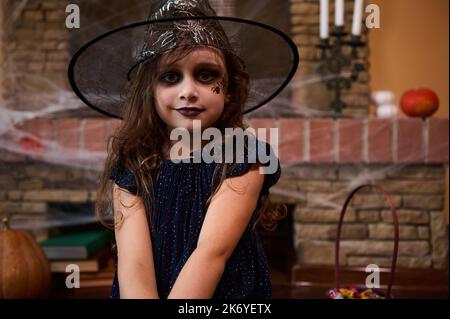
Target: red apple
{"type": "Point", "coordinates": [419, 103]}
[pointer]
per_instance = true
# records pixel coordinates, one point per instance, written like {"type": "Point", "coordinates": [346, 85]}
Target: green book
{"type": "Point", "coordinates": [80, 245]}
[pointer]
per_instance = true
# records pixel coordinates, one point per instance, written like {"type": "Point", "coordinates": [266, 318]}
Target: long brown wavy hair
{"type": "Point", "coordinates": [138, 142]}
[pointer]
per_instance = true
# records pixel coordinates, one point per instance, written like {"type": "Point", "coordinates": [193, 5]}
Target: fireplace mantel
{"type": "Point", "coordinates": [301, 140]}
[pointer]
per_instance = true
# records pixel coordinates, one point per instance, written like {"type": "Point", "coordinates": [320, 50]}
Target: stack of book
{"type": "Point", "coordinates": [89, 250]}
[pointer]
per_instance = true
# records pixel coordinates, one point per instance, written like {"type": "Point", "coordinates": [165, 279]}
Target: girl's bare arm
{"type": "Point", "coordinates": [226, 219]}
{"type": "Point", "coordinates": [136, 272]}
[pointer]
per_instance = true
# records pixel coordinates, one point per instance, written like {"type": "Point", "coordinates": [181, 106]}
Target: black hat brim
{"type": "Point", "coordinates": [98, 71]}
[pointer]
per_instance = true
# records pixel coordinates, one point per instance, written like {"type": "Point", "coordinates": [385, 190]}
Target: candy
{"type": "Point", "coordinates": [354, 293]}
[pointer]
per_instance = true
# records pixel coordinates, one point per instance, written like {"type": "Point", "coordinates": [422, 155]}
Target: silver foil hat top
{"type": "Point", "coordinates": [188, 29]}
{"type": "Point", "coordinates": [164, 9]}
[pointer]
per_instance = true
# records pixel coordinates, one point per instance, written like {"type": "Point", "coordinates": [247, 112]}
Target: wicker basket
{"type": "Point", "coordinates": [351, 291]}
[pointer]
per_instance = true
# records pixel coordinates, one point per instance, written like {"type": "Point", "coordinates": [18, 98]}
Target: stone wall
{"type": "Point", "coordinates": [367, 236]}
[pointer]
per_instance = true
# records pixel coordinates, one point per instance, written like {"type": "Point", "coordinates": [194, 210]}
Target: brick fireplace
{"type": "Point", "coordinates": [322, 161]}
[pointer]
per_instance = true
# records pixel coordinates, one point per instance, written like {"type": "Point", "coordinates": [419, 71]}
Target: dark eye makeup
{"type": "Point", "coordinates": [204, 75]}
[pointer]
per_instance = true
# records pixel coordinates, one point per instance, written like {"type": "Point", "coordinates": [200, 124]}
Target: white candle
{"type": "Point", "coordinates": [357, 17]}
{"type": "Point", "coordinates": [324, 12]}
{"type": "Point", "coordinates": [339, 13]}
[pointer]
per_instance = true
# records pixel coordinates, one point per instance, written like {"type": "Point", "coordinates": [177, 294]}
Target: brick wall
{"type": "Point", "coordinates": [370, 140]}
{"type": "Point", "coordinates": [319, 141]}
{"type": "Point", "coordinates": [35, 194]}
{"type": "Point", "coordinates": [37, 51]}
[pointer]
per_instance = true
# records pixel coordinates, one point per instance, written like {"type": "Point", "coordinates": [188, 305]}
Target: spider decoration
{"type": "Point", "coordinates": [198, 30]}
{"type": "Point", "coordinates": [167, 35]}
{"type": "Point", "coordinates": [216, 89]}
{"type": "Point", "coordinates": [178, 5]}
{"type": "Point", "coordinates": [219, 87]}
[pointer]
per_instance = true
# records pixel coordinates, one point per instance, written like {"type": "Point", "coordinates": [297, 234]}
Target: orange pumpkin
{"type": "Point", "coordinates": [24, 268]}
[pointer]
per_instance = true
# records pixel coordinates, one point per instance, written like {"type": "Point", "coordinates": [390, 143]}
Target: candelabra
{"type": "Point", "coordinates": [333, 61]}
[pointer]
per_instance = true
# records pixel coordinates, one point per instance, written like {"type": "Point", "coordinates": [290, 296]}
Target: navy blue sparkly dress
{"type": "Point", "coordinates": [180, 193]}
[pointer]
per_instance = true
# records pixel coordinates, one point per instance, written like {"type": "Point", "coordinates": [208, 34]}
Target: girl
{"type": "Point", "coordinates": [183, 229]}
